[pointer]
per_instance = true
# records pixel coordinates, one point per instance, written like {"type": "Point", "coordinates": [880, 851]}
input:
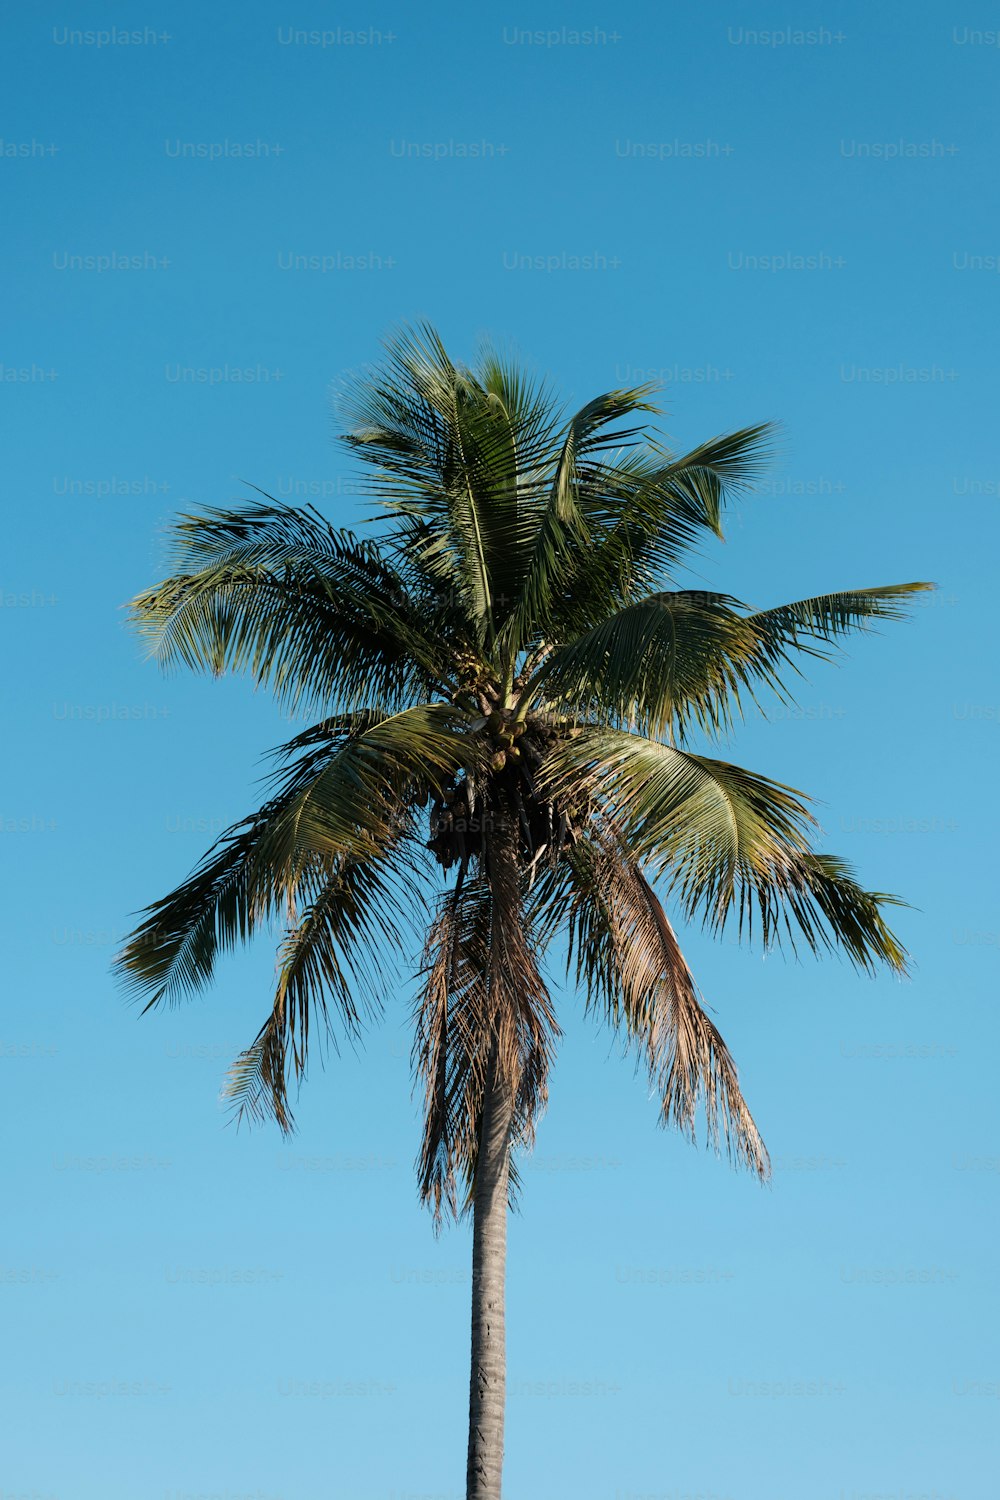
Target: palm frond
{"type": "Point", "coordinates": [450, 1047]}
{"type": "Point", "coordinates": [256, 1086]}
{"type": "Point", "coordinates": [828, 616]}
{"type": "Point", "coordinates": [350, 792]}
{"type": "Point", "coordinates": [719, 470]}
{"type": "Point", "coordinates": [313, 613]}
{"type": "Point", "coordinates": [641, 511]}
{"type": "Point", "coordinates": [454, 452]}
{"type": "Point", "coordinates": [233, 893]}
{"type": "Point", "coordinates": [663, 665]}
{"type": "Point", "coordinates": [483, 1018]}
{"type": "Point", "coordinates": [626, 956]}
{"type": "Point", "coordinates": [334, 957]}
{"type": "Point", "coordinates": [684, 659]}
{"type": "Point", "coordinates": [359, 791]}
{"type": "Point", "coordinates": [562, 530]}
{"type": "Point", "coordinates": [726, 840]}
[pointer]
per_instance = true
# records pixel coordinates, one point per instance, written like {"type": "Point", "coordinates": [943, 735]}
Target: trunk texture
{"type": "Point", "coordinates": [487, 1390]}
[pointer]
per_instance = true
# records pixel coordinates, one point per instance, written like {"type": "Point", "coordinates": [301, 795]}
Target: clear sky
{"type": "Point", "coordinates": [789, 213]}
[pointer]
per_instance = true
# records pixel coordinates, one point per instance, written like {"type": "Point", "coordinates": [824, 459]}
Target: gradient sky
{"type": "Point", "coordinates": [785, 213]}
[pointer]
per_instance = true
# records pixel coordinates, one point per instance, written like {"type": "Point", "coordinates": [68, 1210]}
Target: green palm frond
{"type": "Point", "coordinates": [706, 821]}
{"type": "Point", "coordinates": [718, 470]}
{"type": "Point", "coordinates": [643, 513]}
{"type": "Point", "coordinates": [345, 795]}
{"type": "Point", "coordinates": [454, 454]}
{"type": "Point", "coordinates": [829, 616]}
{"type": "Point", "coordinates": [684, 659]}
{"type": "Point", "coordinates": [725, 840]}
{"type": "Point", "coordinates": [256, 1085]}
{"type": "Point", "coordinates": [829, 907]}
{"type": "Point", "coordinates": [232, 894]}
{"type": "Point", "coordinates": [308, 611]}
{"type": "Point", "coordinates": [359, 791]}
{"type": "Point", "coordinates": [665, 664]}
{"type": "Point", "coordinates": [335, 956]}
{"type": "Point", "coordinates": [275, 536]}
{"type": "Point", "coordinates": [562, 532]}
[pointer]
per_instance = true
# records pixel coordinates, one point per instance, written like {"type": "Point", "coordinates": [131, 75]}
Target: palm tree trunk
{"type": "Point", "coordinates": [487, 1390]}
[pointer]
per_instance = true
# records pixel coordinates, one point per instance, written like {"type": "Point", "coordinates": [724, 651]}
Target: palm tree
{"type": "Point", "coordinates": [504, 689]}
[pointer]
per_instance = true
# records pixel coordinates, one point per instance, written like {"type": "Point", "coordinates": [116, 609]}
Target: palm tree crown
{"type": "Point", "coordinates": [505, 688]}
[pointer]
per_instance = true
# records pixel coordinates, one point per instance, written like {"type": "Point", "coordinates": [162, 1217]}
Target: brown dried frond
{"type": "Point", "coordinates": [628, 953]}
{"type": "Point", "coordinates": [483, 1012]}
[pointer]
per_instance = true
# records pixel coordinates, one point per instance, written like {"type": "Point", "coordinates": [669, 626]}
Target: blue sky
{"type": "Point", "coordinates": [788, 216]}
